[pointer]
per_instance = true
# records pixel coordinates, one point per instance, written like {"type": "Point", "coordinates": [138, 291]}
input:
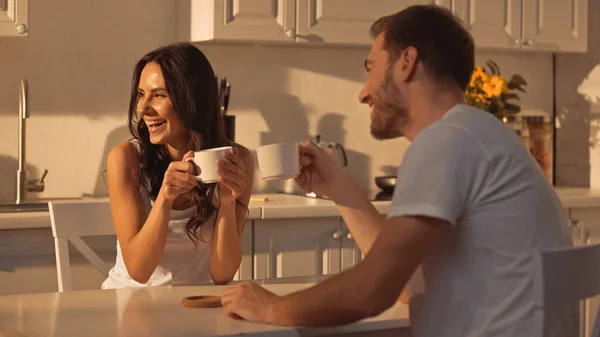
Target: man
{"type": "Point", "coordinates": [471, 206]}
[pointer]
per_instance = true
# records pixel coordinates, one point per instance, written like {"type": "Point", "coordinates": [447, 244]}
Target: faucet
{"type": "Point", "coordinates": [33, 185]}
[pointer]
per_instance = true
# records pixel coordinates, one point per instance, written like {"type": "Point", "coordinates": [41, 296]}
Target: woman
{"type": "Point", "coordinates": [171, 229]}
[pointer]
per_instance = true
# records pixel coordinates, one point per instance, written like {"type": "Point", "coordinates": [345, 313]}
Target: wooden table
{"type": "Point", "coordinates": [157, 311]}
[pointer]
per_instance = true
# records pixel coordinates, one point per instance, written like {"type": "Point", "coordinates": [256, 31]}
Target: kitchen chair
{"type": "Point", "coordinates": [563, 277]}
{"type": "Point", "coordinates": [70, 220]}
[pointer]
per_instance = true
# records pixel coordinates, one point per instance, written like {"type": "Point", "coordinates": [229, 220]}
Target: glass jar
{"type": "Point", "coordinates": [539, 142]}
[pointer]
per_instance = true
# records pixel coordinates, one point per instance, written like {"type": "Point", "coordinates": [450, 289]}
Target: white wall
{"type": "Point", "coordinates": [578, 107]}
{"type": "Point", "coordinates": [79, 59]}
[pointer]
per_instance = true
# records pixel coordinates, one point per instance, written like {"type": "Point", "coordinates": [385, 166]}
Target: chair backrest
{"type": "Point", "coordinates": [72, 219]}
{"type": "Point", "coordinates": [565, 276]}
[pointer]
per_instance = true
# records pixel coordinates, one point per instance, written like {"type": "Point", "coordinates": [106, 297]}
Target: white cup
{"type": "Point", "coordinates": [206, 163]}
{"type": "Point", "coordinates": [279, 161]}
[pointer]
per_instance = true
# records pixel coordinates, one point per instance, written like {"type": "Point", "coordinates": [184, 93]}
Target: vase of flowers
{"type": "Point", "coordinates": [489, 91]}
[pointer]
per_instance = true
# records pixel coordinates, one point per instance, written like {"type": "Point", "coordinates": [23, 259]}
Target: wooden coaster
{"type": "Point", "coordinates": [201, 301]}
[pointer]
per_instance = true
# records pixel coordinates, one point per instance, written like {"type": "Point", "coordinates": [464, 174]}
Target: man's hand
{"type": "Point", "coordinates": [319, 174]}
{"type": "Point", "coordinates": [249, 301]}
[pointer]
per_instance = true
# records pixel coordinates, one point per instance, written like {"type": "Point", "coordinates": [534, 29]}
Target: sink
{"type": "Point", "coordinates": [29, 207]}
{"type": "Point", "coordinates": [33, 206]}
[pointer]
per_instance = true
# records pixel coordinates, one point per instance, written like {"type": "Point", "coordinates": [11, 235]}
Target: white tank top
{"type": "Point", "coordinates": [182, 263]}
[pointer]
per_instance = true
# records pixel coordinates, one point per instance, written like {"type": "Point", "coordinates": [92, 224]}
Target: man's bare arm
{"type": "Point", "coordinates": [370, 287]}
{"type": "Point", "coordinates": [359, 214]}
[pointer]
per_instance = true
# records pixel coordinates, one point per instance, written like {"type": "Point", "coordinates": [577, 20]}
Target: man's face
{"type": "Point", "coordinates": [389, 111]}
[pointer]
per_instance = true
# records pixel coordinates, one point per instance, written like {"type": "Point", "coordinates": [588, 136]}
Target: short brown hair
{"type": "Point", "coordinates": [444, 46]}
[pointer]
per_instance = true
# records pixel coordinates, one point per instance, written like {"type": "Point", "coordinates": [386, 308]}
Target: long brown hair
{"type": "Point", "coordinates": [192, 87]}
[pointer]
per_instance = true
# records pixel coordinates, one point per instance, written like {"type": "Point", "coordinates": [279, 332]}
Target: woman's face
{"type": "Point", "coordinates": [154, 106]}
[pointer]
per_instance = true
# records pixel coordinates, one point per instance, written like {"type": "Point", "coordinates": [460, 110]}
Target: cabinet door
{"type": "Point", "coordinates": [243, 20]}
{"type": "Point", "coordinates": [345, 21]}
{"type": "Point", "coordinates": [351, 254]}
{"type": "Point", "coordinates": [296, 247]}
{"type": "Point", "coordinates": [555, 25]}
{"type": "Point", "coordinates": [493, 23]}
{"type": "Point", "coordinates": [14, 17]}
{"type": "Point", "coordinates": [588, 231]}
{"type": "Point", "coordinates": [245, 270]}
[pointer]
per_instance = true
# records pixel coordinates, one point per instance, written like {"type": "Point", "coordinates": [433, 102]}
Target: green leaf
{"type": "Point", "coordinates": [512, 107]}
{"type": "Point", "coordinates": [511, 96]}
{"type": "Point", "coordinates": [493, 67]}
{"type": "Point", "coordinates": [514, 86]}
{"type": "Point", "coordinates": [518, 79]}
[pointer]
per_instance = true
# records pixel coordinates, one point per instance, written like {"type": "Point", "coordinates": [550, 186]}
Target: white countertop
{"type": "Point", "coordinates": [155, 311]}
{"type": "Point", "coordinates": [578, 197]}
{"type": "Point", "coordinates": [282, 206]}
{"type": "Point", "coordinates": [285, 206]}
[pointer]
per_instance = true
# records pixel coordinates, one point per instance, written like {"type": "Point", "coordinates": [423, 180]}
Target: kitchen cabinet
{"type": "Point", "coordinates": [497, 24]}
{"type": "Point", "coordinates": [28, 263]}
{"type": "Point", "coordinates": [555, 25]}
{"type": "Point", "coordinates": [289, 21]}
{"type": "Point", "coordinates": [343, 21]}
{"type": "Point", "coordinates": [526, 25]}
{"type": "Point", "coordinates": [247, 20]}
{"type": "Point", "coordinates": [586, 230]}
{"type": "Point", "coordinates": [14, 18]}
{"type": "Point", "coordinates": [350, 254]}
{"type": "Point", "coordinates": [492, 23]}
{"type": "Point", "coordinates": [296, 247]}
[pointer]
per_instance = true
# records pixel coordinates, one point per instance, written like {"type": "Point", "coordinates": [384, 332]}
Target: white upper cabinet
{"type": "Point", "coordinates": [526, 24]}
{"type": "Point", "coordinates": [304, 21]}
{"type": "Point", "coordinates": [493, 23]}
{"type": "Point", "coordinates": [555, 25]}
{"type": "Point", "coordinates": [243, 20]}
{"type": "Point", "coordinates": [13, 18]}
{"type": "Point", "coordinates": [558, 25]}
{"type": "Point", "coordinates": [343, 21]}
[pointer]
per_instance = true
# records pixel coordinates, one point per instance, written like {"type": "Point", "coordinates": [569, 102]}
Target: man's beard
{"type": "Point", "coordinates": [390, 115]}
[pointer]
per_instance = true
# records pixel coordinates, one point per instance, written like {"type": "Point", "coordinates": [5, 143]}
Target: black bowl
{"type": "Point", "coordinates": [386, 183]}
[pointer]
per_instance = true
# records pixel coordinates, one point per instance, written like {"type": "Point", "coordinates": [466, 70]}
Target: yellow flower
{"type": "Point", "coordinates": [495, 86]}
{"type": "Point", "coordinates": [478, 74]}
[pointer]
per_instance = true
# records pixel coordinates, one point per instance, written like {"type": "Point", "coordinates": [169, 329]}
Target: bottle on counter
{"type": "Point", "coordinates": [535, 130]}
{"type": "Point", "coordinates": [540, 142]}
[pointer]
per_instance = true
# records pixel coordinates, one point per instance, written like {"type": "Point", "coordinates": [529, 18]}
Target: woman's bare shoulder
{"type": "Point", "coordinates": [124, 156]}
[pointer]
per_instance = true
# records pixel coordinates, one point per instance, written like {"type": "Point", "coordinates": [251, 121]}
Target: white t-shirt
{"type": "Point", "coordinates": [474, 172]}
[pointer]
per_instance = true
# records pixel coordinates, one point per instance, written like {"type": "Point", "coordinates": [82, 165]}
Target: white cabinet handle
{"type": "Point", "coordinates": [21, 29]}
{"type": "Point", "coordinates": [337, 234]}
{"type": "Point", "coordinates": [349, 236]}
{"type": "Point", "coordinates": [290, 33]}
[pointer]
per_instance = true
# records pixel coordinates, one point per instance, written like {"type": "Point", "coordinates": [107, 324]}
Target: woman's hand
{"type": "Point", "coordinates": [232, 176]}
{"type": "Point", "coordinates": [178, 178]}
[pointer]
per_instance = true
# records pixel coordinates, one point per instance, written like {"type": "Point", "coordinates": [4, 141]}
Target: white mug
{"type": "Point", "coordinates": [206, 163]}
{"type": "Point", "coordinates": [279, 161]}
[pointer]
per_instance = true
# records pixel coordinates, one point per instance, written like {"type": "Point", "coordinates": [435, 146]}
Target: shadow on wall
{"type": "Point", "coordinates": [286, 119]}
{"type": "Point", "coordinates": [115, 137]}
{"type": "Point", "coordinates": [576, 88]}
{"type": "Point", "coordinates": [8, 166]}
{"type": "Point", "coordinates": [79, 55]}
{"type": "Point", "coordinates": [330, 128]}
